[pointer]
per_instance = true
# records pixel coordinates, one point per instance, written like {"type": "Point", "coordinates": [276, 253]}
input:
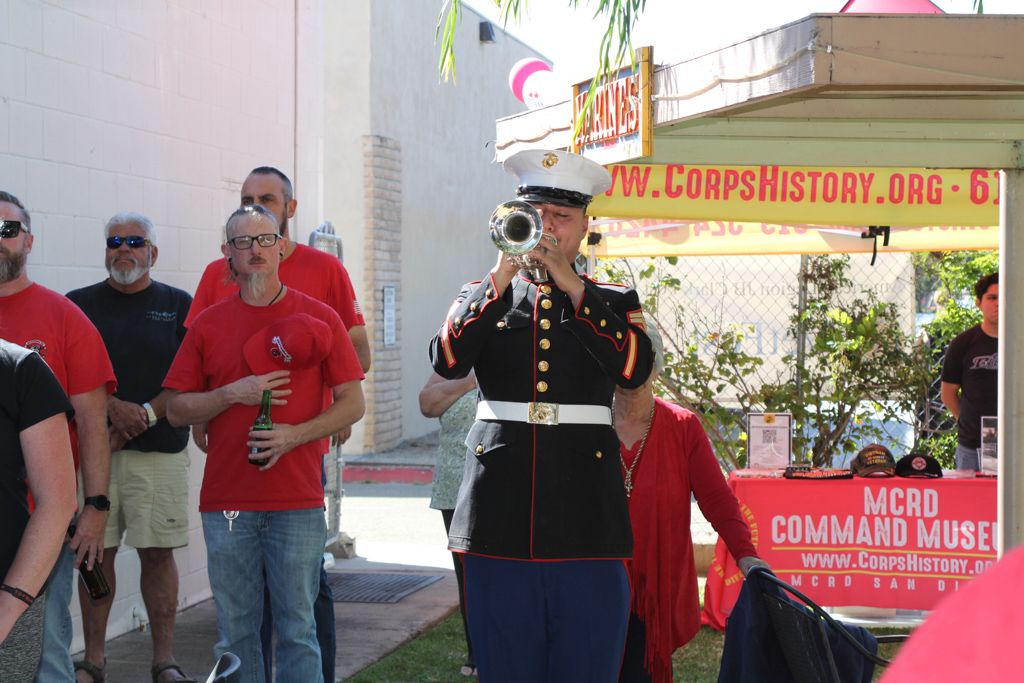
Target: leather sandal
{"type": "Point", "coordinates": [169, 665]}
{"type": "Point", "coordinates": [97, 673]}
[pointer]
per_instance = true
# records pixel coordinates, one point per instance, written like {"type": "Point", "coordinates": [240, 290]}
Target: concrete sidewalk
{"type": "Point", "coordinates": [366, 632]}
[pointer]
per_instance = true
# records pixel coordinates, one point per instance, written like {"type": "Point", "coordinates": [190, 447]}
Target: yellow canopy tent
{"type": "Point", "coordinates": [848, 91]}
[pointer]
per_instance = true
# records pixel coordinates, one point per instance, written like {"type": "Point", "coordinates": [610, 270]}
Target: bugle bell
{"type": "Point", "coordinates": [516, 229]}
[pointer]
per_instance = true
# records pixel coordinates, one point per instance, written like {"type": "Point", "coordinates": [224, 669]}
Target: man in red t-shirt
{"type": "Point", "coordinates": [315, 274]}
{"type": "Point", "coordinates": [268, 520]}
{"type": "Point", "coordinates": [303, 268]}
{"type": "Point", "coordinates": [43, 320]}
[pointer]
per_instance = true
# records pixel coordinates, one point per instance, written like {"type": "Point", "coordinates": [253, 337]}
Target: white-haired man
{"type": "Point", "coordinates": [142, 323]}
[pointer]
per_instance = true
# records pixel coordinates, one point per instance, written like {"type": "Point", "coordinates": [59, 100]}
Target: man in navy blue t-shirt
{"type": "Point", "coordinates": [142, 323]}
{"type": "Point", "coordinates": [970, 374]}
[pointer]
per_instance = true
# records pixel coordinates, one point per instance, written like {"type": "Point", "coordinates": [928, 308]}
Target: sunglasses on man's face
{"type": "Point", "coordinates": [133, 241]}
{"type": "Point", "coordinates": [10, 229]}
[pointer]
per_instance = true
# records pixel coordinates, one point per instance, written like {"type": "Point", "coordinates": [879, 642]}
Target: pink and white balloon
{"type": "Point", "coordinates": [534, 83]}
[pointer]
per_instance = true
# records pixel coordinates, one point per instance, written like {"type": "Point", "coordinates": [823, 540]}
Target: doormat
{"type": "Point", "coordinates": [376, 587]}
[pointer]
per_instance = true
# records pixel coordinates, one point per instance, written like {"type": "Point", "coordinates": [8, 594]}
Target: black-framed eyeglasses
{"type": "Point", "coordinates": [243, 242]}
{"type": "Point", "coordinates": [10, 229]}
{"type": "Point", "coordinates": [133, 241]}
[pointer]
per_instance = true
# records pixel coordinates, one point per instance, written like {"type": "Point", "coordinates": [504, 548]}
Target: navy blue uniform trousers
{"type": "Point", "coordinates": [538, 621]}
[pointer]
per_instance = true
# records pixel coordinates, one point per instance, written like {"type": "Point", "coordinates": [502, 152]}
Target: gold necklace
{"type": "Point", "coordinates": [627, 483]}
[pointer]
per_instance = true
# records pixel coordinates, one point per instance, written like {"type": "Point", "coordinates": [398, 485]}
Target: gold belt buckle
{"type": "Point", "coordinates": [542, 413]}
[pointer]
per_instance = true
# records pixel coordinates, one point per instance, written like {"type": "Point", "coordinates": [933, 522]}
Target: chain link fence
{"type": "Point", "coordinates": [748, 306]}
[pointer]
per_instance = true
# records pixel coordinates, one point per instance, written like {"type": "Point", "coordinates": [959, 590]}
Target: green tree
{"type": "Point", "coordinates": [860, 365]}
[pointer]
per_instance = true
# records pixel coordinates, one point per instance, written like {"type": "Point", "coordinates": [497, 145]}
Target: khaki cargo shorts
{"type": "Point", "coordinates": [148, 499]}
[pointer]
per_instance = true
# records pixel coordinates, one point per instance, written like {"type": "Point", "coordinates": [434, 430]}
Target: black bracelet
{"type": "Point", "coordinates": [18, 593]}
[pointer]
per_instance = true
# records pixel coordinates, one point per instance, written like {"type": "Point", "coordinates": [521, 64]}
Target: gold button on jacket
{"type": "Point", "coordinates": [543, 491]}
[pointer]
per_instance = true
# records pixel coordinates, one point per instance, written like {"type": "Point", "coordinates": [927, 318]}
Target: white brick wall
{"type": "Point", "coordinates": [159, 106]}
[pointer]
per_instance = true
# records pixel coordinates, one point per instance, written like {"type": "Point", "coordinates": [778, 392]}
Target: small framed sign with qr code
{"type": "Point", "coordinates": [769, 440]}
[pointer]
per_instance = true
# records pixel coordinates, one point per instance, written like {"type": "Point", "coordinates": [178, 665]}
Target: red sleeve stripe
{"type": "Point", "coordinates": [446, 346]}
{"type": "Point", "coordinates": [627, 371]}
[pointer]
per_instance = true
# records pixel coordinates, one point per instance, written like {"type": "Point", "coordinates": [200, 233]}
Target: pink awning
{"type": "Point", "coordinates": [890, 7]}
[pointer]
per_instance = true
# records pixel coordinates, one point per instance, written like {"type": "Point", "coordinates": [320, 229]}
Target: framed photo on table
{"type": "Point", "coordinates": [769, 440]}
{"type": "Point", "coordinates": [988, 454]}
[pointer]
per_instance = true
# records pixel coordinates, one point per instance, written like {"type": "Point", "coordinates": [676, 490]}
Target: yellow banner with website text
{"type": "Point", "coordinates": [802, 195]}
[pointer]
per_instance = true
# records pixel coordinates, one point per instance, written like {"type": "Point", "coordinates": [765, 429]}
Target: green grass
{"type": "Point", "coordinates": [436, 655]}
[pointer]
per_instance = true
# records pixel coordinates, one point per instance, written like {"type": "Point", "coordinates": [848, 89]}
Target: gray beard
{"type": "Point", "coordinates": [12, 266]}
{"type": "Point", "coordinates": [254, 284]}
{"type": "Point", "coordinates": [127, 277]}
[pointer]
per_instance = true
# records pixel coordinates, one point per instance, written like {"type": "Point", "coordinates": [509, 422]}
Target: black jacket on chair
{"type": "Point", "coordinates": [539, 491]}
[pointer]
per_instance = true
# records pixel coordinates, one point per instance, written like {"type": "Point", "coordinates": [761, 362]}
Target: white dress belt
{"type": "Point", "coordinates": [544, 413]}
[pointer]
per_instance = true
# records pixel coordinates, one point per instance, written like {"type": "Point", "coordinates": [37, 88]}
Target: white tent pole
{"type": "Point", "coordinates": [1011, 357]}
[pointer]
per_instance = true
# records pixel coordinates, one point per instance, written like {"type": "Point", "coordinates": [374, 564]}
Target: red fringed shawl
{"type": "Point", "coordinates": [677, 459]}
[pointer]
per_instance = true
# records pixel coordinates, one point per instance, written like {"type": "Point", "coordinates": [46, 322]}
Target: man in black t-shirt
{"type": "Point", "coordinates": [970, 374]}
{"type": "Point", "coordinates": [142, 325]}
{"type": "Point", "coordinates": [35, 450]}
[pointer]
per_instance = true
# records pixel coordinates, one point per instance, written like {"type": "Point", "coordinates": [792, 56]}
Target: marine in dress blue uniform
{"type": "Point", "coordinates": [541, 515]}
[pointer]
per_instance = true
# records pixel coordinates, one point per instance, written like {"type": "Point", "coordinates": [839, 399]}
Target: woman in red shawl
{"type": "Point", "coordinates": [665, 456]}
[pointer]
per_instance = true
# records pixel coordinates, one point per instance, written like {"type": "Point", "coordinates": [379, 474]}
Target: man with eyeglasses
{"type": "Point", "coordinates": [46, 322]}
{"type": "Point", "coordinates": [308, 270]}
{"type": "Point", "coordinates": [142, 323]}
{"type": "Point", "coordinates": [315, 274]}
{"type": "Point", "coordinates": [264, 524]}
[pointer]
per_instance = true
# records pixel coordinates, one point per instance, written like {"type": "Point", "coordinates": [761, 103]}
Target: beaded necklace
{"type": "Point", "coordinates": [627, 483]}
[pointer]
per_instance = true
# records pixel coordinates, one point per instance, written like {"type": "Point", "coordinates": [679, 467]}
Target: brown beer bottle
{"type": "Point", "coordinates": [262, 423]}
{"type": "Point", "coordinates": [93, 579]}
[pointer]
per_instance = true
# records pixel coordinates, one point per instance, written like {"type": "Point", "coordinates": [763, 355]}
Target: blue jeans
{"type": "Point", "coordinates": [55, 665]}
{"type": "Point", "coordinates": [287, 546]}
{"type": "Point", "coordinates": [323, 614]}
{"type": "Point", "coordinates": [966, 458]}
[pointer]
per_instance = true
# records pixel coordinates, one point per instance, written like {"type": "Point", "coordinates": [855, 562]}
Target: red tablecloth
{"type": "Point", "coordinates": [879, 542]}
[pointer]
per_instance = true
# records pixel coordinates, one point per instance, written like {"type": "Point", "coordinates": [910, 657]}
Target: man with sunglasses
{"type": "Point", "coordinates": [44, 321]}
{"type": "Point", "coordinates": [264, 524]}
{"type": "Point", "coordinates": [315, 274]}
{"type": "Point", "coordinates": [142, 323]}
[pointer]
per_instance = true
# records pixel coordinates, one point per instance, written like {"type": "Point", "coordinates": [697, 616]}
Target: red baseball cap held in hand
{"type": "Point", "coordinates": [295, 342]}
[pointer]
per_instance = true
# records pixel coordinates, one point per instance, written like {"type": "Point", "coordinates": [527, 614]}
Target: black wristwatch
{"type": "Point", "coordinates": [101, 502]}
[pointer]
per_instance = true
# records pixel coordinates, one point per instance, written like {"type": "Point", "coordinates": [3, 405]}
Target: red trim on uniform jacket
{"type": "Point", "coordinates": [619, 345]}
{"type": "Point", "coordinates": [533, 432]}
{"type": "Point", "coordinates": [449, 330]}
